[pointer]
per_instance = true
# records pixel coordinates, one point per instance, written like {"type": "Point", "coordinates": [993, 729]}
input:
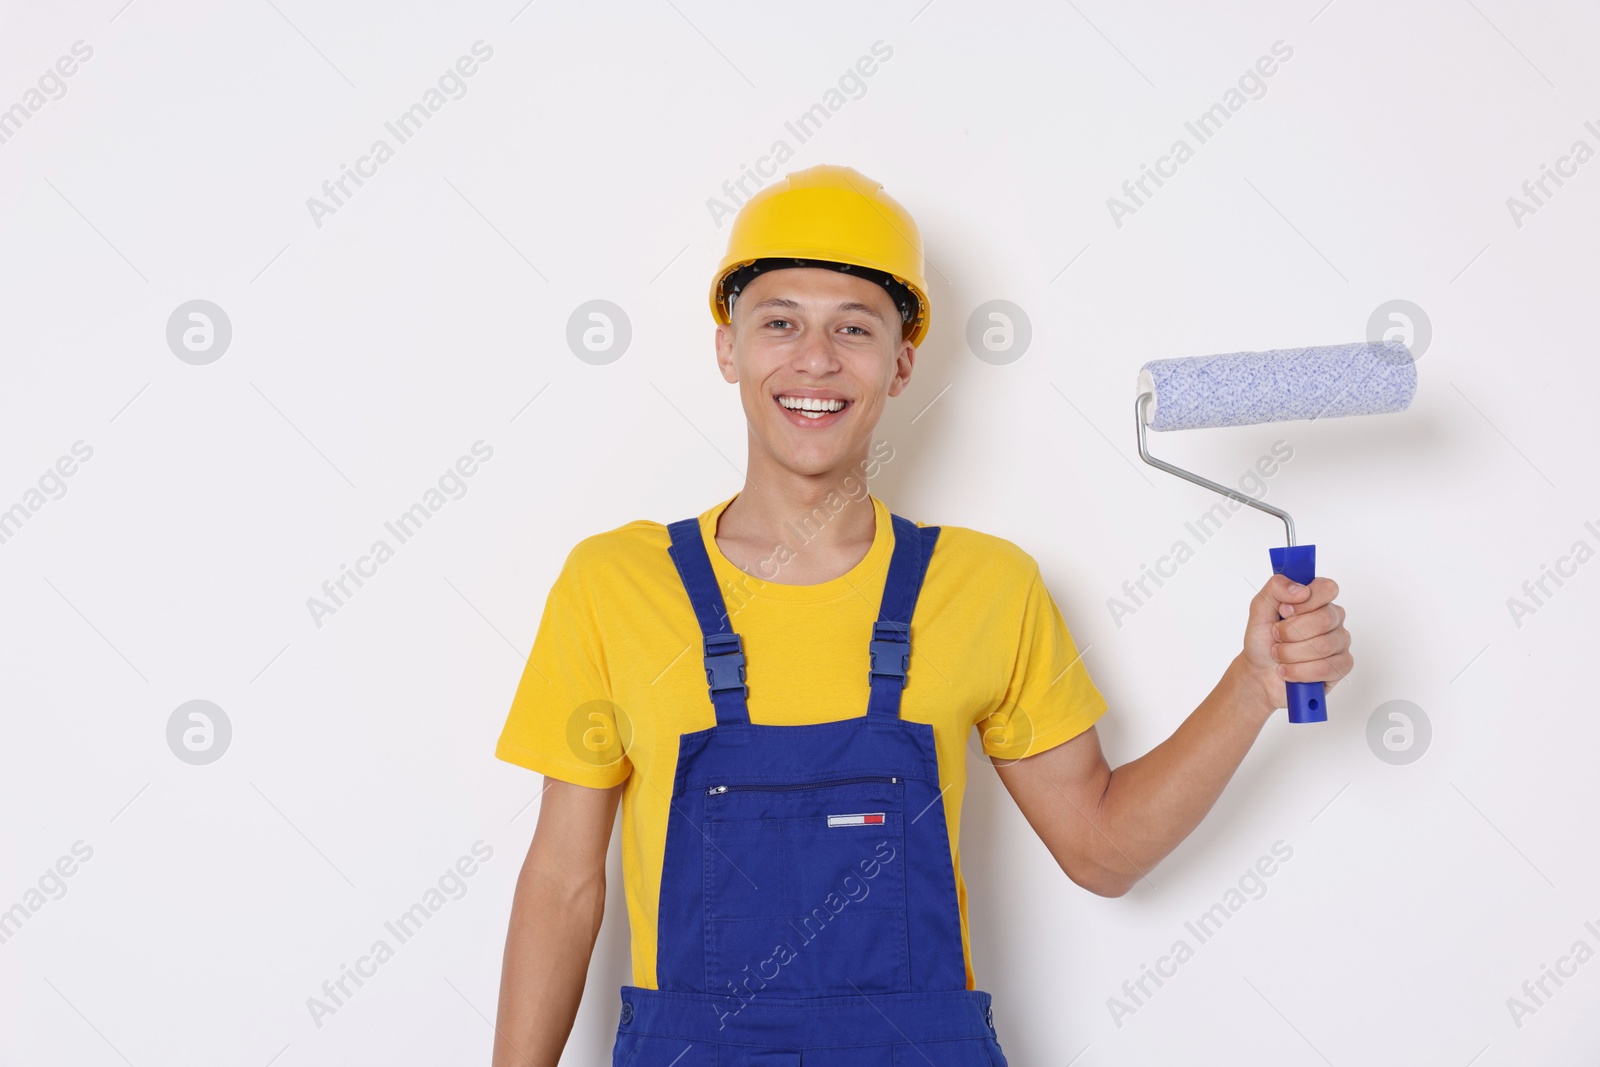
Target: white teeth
{"type": "Point", "coordinates": [811, 407]}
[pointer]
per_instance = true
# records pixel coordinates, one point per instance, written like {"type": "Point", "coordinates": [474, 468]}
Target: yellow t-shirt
{"type": "Point", "coordinates": [616, 672]}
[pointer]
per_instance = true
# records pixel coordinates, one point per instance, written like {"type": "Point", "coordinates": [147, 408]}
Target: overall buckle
{"type": "Point", "coordinates": [724, 656]}
{"type": "Point", "coordinates": [891, 651]}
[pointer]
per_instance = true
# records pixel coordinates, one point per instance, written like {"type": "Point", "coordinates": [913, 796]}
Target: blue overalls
{"type": "Point", "coordinates": [808, 913]}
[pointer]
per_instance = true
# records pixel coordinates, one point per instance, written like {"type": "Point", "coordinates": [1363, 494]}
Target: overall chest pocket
{"type": "Point", "coordinates": [805, 887]}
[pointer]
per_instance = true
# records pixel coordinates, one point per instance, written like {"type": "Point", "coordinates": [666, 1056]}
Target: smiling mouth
{"type": "Point", "coordinates": [811, 407]}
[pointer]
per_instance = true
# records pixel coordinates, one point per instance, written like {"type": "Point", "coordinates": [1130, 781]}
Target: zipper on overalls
{"type": "Point", "coordinates": [713, 790]}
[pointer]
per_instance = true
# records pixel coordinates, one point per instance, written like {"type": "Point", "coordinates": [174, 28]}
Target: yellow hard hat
{"type": "Point", "coordinates": [828, 216]}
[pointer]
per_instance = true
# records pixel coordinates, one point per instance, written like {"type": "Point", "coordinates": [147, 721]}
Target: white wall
{"type": "Point", "coordinates": [371, 351]}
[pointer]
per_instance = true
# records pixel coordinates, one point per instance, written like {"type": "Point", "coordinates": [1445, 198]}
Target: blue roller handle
{"type": "Point", "coordinates": [1298, 563]}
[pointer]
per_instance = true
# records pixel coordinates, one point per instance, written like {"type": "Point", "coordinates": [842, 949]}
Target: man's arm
{"type": "Point", "coordinates": [555, 918]}
{"type": "Point", "coordinates": [1108, 827]}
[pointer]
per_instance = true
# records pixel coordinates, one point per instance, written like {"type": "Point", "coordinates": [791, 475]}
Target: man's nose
{"type": "Point", "coordinates": [816, 350]}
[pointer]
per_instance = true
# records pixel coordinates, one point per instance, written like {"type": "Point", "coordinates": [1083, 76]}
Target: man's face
{"type": "Point", "coordinates": [809, 337]}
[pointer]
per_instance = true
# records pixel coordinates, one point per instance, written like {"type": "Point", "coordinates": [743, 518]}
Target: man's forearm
{"type": "Point", "coordinates": [1153, 802]}
{"type": "Point", "coordinates": [553, 927]}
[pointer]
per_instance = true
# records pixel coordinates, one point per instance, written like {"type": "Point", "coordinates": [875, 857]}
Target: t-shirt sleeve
{"type": "Point", "coordinates": [1049, 698]}
{"type": "Point", "coordinates": [562, 721]}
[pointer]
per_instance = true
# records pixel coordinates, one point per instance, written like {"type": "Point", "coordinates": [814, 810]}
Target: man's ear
{"type": "Point", "coordinates": [902, 371]}
{"type": "Point", "coordinates": [724, 346]}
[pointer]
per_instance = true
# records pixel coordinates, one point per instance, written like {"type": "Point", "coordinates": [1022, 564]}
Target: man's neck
{"type": "Point", "coordinates": [827, 523]}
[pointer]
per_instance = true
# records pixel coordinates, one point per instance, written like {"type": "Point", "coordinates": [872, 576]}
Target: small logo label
{"type": "Point", "coordinates": [199, 332]}
{"type": "Point", "coordinates": [598, 332]}
{"type": "Point", "coordinates": [870, 818]}
{"type": "Point", "coordinates": [999, 332]}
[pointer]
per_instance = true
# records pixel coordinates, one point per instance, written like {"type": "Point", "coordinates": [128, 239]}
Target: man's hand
{"type": "Point", "coordinates": [1295, 634]}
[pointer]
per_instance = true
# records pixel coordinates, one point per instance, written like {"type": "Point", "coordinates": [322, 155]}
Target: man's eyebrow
{"type": "Point", "coordinates": [784, 303]}
{"type": "Point", "coordinates": [777, 302]}
{"type": "Point", "coordinates": [865, 309]}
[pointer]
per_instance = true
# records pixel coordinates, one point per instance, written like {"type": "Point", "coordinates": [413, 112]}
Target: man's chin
{"type": "Point", "coordinates": [811, 461]}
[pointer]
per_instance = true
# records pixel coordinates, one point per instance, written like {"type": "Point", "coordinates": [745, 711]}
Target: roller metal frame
{"type": "Point", "coordinates": [1139, 405]}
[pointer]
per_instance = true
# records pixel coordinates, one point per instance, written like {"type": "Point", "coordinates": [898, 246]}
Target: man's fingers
{"type": "Point", "coordinates": [1291, 598]}
{"type": "Point", "coordinates": [1265, 605]}
{"type": "Point", "coordinates": [1328, 671]}
{"type": "Point", "coordinates": [1323, 590]}
{"type": "Point", "coordinates": [1322, 646]}
{"type": "Point", "coordinates": [1306, 629]}
{"type": "Point", "coordinates": [1304, 625]}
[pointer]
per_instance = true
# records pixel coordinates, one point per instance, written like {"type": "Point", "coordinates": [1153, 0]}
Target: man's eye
{"type": "Point", "coordinates": [860, 329]}
{"type": "Point", "coordinates": [778, 322]}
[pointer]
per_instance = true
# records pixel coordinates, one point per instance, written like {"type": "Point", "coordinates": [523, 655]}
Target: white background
{"type": "Point", "coordinates": [372, 351]}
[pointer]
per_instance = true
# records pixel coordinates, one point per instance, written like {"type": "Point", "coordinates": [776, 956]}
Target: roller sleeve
{"type": "Point", "coordinates": [1246, 388]}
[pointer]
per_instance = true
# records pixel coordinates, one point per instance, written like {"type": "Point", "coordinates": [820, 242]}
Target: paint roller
{"type": "Point", "coordinates": [1248, 388]}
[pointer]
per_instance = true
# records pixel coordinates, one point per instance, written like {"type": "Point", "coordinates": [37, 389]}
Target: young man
{"type": "Point", "coordinates": [779, 689]}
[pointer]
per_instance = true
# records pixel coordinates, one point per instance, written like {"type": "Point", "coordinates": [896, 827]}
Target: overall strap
{"type": "Point", "coordinates": [890, 659]}
{"type": "Point", "coordinates": [722, 648]}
